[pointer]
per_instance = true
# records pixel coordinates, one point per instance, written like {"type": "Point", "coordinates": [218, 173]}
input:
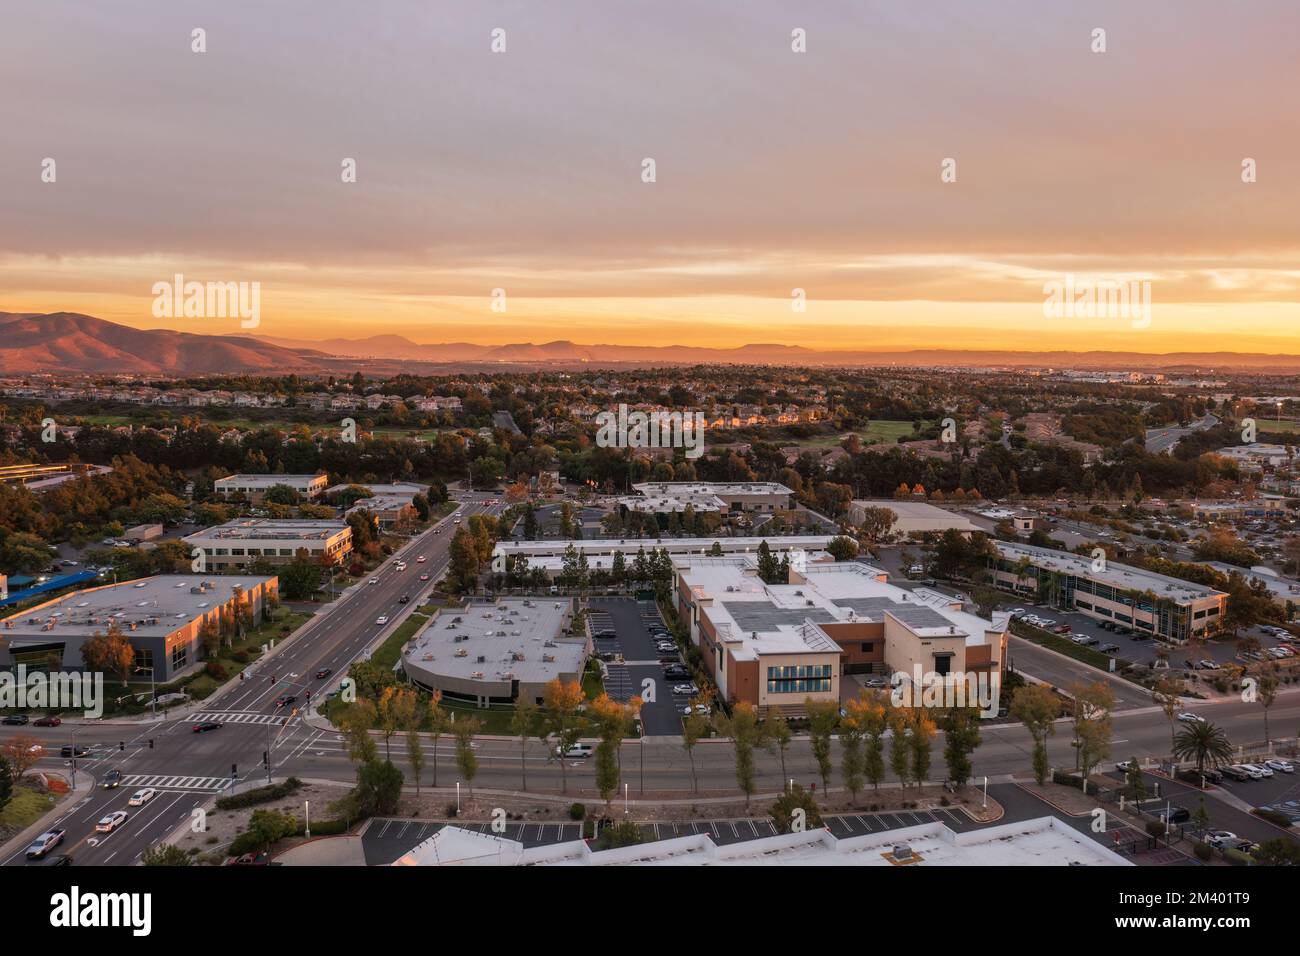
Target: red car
{"type": "Point", "coordinates": [47, 722]}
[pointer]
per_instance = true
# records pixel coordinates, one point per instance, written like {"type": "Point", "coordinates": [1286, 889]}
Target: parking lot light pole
{"type": "Point", "coordinates": [986, 793]}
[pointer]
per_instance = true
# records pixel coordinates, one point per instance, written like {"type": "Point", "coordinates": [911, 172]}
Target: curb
{"type": "Point", "coordinates": [24, 838]}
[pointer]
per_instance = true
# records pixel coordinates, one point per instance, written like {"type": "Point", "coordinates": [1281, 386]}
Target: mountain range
{"type": "Point", "coordinates": [71, 343]}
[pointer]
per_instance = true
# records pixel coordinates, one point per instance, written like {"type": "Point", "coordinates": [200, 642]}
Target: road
{"type": "Point", "coordinates": [188, 769]}
{"type": "Point", "coordinates": [1162, 440]}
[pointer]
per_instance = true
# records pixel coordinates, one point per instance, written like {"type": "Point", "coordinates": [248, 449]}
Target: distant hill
{"type": "Point", "coordinates": [71, 342]}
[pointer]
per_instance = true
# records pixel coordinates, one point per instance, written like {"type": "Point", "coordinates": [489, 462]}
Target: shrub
{"type": "Point", "coordinates": [1272, 816]}
{"type": "Point", "coordinates": [577, 811]}
{"type": "Point", "coordinates": [215, 670]}
{"type": "Point", "coordinates": [451, 810]}
{"type": "Point", "coordinates": [1202, 851]}
{"type": "Point", "coordinates": [1155, 828]}
{"type": "Point", "coordinates": [250, 798]}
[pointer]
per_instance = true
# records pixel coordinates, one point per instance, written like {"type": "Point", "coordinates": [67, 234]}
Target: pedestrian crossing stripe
{"type": "Point", "coordinates": [241, 717]}
{"type": "Point", "coordinates": [162, 781]}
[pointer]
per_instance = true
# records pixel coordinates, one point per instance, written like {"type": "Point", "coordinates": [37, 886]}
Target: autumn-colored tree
{"type": "Point", "coordinates": [439, 723]}
{"type": "Point", "coordinates": [464, 730]}
{"type": "Point", "coordinates": [110, 652]}
{"type": "Point", "coordinates": [562, 721]}
{"type": "Point", "coordinates": [1037, 708]}
{"type": "Point", "coordinates": [396, 710]}
{"type": "Point", "coordinates": [1093, 726]}
{"type": "Point", "coordinates": [524, 724]}
{"type": "Point", "coordinates": [355, 721]}
{"type": "Point", "coordinates": [21, 752]}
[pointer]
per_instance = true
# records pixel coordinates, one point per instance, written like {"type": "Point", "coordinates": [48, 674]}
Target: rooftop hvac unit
{"type": "Point", "coordinates": [481, 659]}
{"type": "Point", "coordinates": [462, 653]}
{"type": "Point", "coordinates": [548, 658]}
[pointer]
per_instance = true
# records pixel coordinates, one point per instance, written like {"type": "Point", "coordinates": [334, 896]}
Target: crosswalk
{"type": "Point", "coordinates": [162, 781]}
{"type": "Point", "coordinates": [240, 717]}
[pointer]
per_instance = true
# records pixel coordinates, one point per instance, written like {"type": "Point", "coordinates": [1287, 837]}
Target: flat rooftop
{"type": "Point", "coordinates": [397, 488]}
{"type": "Point", "coordinates": [271, 529]}
{"type": "Point", "coordinates": [783, 618]}
{"type": "Point", "coordinates": [920, 513]}
{"type": "Point", "coordinates": [268, 481]}
{"type": "Point", "coordinates": [513, 636]}
{"type": "Point", "coordinates": [678, 488]}
{"type": "Point", "coordinates": [156, 606]}
{"type": "Point", "coordinates": [691, 545]}
{"type": "Point", "coordinates": [1116, 575]}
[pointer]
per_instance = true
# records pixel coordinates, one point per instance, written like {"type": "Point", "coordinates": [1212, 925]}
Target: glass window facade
{"type": "Point", "coordinates": [799, 679]}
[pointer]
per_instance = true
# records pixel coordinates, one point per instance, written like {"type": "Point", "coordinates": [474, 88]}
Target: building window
{"type": "Point", "coordinates": [866, 647]}
{"type": "Point", "coordinates": [180, 657]}
{"type": "Point", "coordinates": [799, 679]}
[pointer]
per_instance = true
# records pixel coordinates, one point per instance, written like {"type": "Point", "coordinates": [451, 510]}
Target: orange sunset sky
{"type": "Point", "coordinates": [775, 170]}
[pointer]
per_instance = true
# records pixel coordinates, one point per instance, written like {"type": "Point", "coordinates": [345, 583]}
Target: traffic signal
{"type": "Point", "coordinates": [151, 743]}
{"type": "Point", "coordinates": [234, 770]}
{"type": "Point", "coordinates": [266, 758]}
{"type": "Point", "coordinates": [121, 745]}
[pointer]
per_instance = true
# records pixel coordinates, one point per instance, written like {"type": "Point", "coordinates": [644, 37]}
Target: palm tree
{"type": "Point", "coordinates": [1203, 742]}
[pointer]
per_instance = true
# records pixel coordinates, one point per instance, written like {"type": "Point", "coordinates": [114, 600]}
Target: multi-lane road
{"type": "Point", "coordinates": [188, 769]}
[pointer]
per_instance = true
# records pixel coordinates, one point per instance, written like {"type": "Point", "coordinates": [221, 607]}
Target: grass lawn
{"type": "Point", "coordinates": [882, 431]}
{"type": "Point", "coordinates": [388, 652]}
{"type": "Point", "coordinates": [593, 685]}
{"type": "Point", "coordinates": [1272, 425]}
{"type": "Point", "coordinates": [26, 807]}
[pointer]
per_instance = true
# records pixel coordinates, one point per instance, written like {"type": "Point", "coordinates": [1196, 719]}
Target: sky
{"type": "Point", "coordinates": [775, 170]}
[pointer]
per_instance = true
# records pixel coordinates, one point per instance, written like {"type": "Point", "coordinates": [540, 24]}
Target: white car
{"type": "Point", "coordinates": [1280, 765]}
{"type": "Point", "coordinates": [1216, 838]}
{"type": "Point", "coordinates": [1250, 770]}
{"type": "Point", "coordinates": [1190, 718]}
{"type": "Point", "coordinates": [111, 822]}
{"type": "Point", "coordinates": [420, 560]}
{"type": "Point", "coordinates": [382, 619]}
{"type": "Point", "coordinates": [686, 690]}
{"type": "Point", "coordinates": [698, 709]}
{"type": "Point", "coordinates": [141, 797]}
{"type": "Point", "coordinates": [1255, 768]}
{"type": "Point", "coordinates": [577, 750]}
{"type": "Point", "coordinates": [401, 565]}
{"type": "Point", "coordinates": [374, 580]}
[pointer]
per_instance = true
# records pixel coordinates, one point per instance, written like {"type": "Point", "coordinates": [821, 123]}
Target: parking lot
{"type": "Point", "coordinates": [631, 621]}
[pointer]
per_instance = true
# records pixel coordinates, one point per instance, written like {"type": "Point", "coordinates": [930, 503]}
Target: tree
{"type": "Point", "coordinates": [1093, 726]}
{"type": "Point", "coordinates": [611, 720]}
{"type": "Point", "coordinates": [523, 724]}
{"type": "Point", "coordinates": [743, 729]}
{"type": "Point", "coordinates": [783, 810]}
{"type": "Point", "coordinates": [300, 578]}
{"type": "Point", "coordinates": [1166, 694]}
{"type": "Point", "coordinates": [1201, 741]}
{"type": "Point", "coordinates": [466, 760]}
{"type": "Point", "coordinates": [6, 782]}
{"type": "Point", "coordinates": [266, 827]}
{"type": "Point", "coordinates": [853, 726]}
{"type": "Point", "coordinates": [109, 651]}
{"type": "Point", "coordinates": [694, 728]}
{"type": "Point", "coordinates": [560, 702]}
{"type": "Point", "coordinates": [355, 721]}
{"type": "Point", "coordinates": [439, 722]}
{"type": "Point", "coordinates": [899, 758]}
{"type": "Point", "coordinates": [165, 854]}
{"type": "Point", "coordinates": [396, 711]}
{"type": "Point", "coordinates": [961, 728]}
{"type": "Point", "coordinates": [1279, 851]}
{"type": "Point", "coordinates": [779, 736]}
{"type": "Point", "coordinates": [1135, 787]}
{"type": "Point", "coordinates": [20, 753]}
{"type": "Point", "coordinates": [379, 788]}
{"type": "Point", "coordinates": [920, 737]}
{"type": "Point", "coordinates": [842, 549]}
{"type": "Point", "coordinates": [1037, 708]}
{"type": "Point", "coordinates": [823, 717]}
{"type": "Point", "coordinates": [875, 723]}
{"type": "Point", "coordinates": [1266, 693]}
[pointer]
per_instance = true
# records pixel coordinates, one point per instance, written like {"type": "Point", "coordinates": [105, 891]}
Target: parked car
{"type": "Point", "coordinates": [1253, 768]}
{"type": "Point", "coordinates": [1216, 838]}
{"type": "Point", "coordinates": [111, 822]}
{"type": "Point", "coordinates": [685, 690]}
{"type": "Point", "coordinates": [1236, 773]}
{"type": "Point", "coordinates": [1108, 648]}
{"type": "Point", "coordinates": [876, 681]}
{"type": "Point", "coordinates": [1175, 814]}
{"type": "Point", "coordinates": [1282, 766]}
{"type": "Point", "coordinates": [44, 843]}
